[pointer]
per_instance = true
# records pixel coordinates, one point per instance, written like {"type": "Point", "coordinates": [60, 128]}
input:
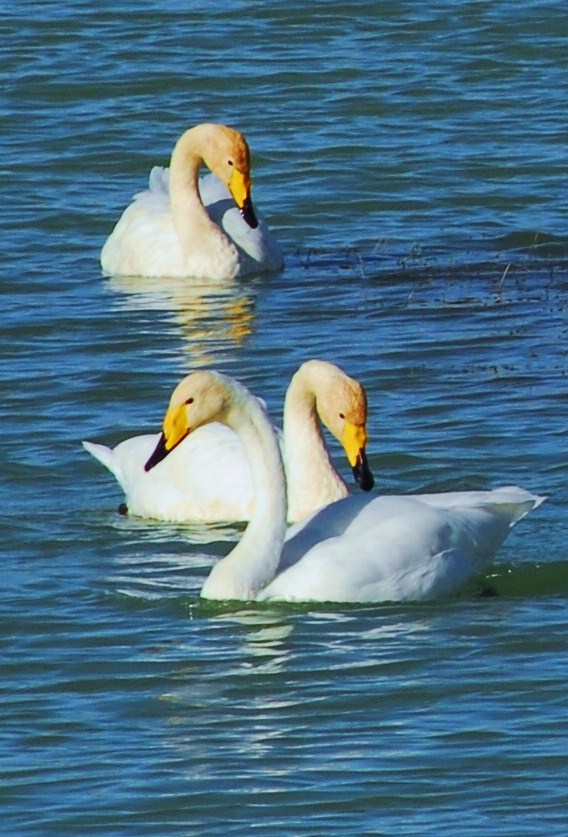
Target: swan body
{"type": "Point", "coordinates": [185, 227]}
{"type": "Point", "coordinates": [208, 478]}
{"type": "Point", "coordinates": [403, 548]}
{"type": "Point", "coordinates": [360, 548]}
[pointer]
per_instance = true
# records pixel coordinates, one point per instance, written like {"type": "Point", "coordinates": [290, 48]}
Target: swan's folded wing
{"type": "Point", "coordinates": [206, 478]}
{"type": "Point", "coordinates": [396, 548]}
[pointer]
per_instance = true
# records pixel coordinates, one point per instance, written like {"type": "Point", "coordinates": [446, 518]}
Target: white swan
{"type": "Point", "coordinates": [182, 226]}
{"type": "Point", "coordinates": [207, 477]}
{"type": "Point", "coordinates": [359, 549]}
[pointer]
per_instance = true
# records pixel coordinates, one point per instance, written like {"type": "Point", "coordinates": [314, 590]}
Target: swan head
{"type": "Point", "coordinates": [200, 398]}
{"type": "Point", "coordinates": [225, 152]}
{"type": "Point", "coordinates": [341, 403]}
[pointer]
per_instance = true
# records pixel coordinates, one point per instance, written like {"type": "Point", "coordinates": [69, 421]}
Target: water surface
{"type": "Point", "coordinates": [412, 161]}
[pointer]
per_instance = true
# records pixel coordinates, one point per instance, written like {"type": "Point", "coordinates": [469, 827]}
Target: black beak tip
{"type": "Point", "coordinates": [160, 452]}
{"type": "Point", "coordinates": [249, 215]}
{"type": "Point", "coordinates": [362, 473]}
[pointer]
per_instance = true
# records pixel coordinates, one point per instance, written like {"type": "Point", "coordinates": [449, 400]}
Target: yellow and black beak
{"type": "Point", "coordinates": [240, 189]}
{"type": "Point", "coordinates": [176, 428]}
{"type": "Point", "coordinates": [354, 443]}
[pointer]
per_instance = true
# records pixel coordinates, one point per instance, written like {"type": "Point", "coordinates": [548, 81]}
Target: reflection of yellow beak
{"type": "Point", "coordinates": [239, 187]}
{"type": "Point", "coordinates": [354, 441]}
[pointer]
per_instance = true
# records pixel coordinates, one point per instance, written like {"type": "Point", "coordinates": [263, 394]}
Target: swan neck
{"type": "Point", "coordinates": [254, 561]}
{"type": "Point", "coordinates": [190, 218]}
{"type": "Point", "coordinates": [302, 429]}
{"type": "Point", "coordinates": [309, 470]}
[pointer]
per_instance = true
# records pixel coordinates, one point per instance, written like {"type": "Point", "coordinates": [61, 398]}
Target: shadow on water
{"type": "Point", "coordinates": [527, 580]}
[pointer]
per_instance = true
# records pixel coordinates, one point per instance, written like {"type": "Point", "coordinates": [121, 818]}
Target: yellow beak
{"type": "Point", "coordinates": [354, 441]}
{"type": "Point", "coordinates": [175, 429]}
{"type": "Point", "coordinates": [176, 426]}
{"type": "Point", "coordinates": [240, 189]}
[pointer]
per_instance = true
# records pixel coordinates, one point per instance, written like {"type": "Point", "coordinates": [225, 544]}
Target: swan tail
{"type": "Point", "coordinates": [106, 457]}
{"type": "Point", "coordinates": [158, 180]}
{"type": "Point", "coordinates": [516, 502]}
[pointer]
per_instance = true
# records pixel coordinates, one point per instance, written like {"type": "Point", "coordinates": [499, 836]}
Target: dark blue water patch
{"type": "Point", "coordinates": [532, 248]}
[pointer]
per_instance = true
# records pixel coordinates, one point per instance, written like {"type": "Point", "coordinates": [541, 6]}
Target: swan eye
{"type": "Point", "coordinates": [230, 162]}
{"type": "Point", "coordinates": [189, 401]}
{"type": "Point", "coordinates": [342, 415]}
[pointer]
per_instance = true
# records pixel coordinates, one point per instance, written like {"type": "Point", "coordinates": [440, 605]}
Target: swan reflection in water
{"type": "Point", "coordinates": [210, 315]}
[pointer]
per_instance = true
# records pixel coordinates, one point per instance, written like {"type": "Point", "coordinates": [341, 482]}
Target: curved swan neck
{"type": "Point", "coordinates": [308, 467]}
{"type": "Point", "coordinates": [191, 220]}
{"type": "Point", "coordinates": [254, 561]}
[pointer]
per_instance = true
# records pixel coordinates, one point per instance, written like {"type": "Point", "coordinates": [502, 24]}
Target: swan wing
{"type": "Point", "coordinates": [258, 245]}
{"type": "Point", "coordinates": [144, 241]}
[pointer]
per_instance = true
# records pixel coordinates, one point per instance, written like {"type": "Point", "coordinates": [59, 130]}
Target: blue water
{"type": "Point", "coordinates": [411, 159]}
